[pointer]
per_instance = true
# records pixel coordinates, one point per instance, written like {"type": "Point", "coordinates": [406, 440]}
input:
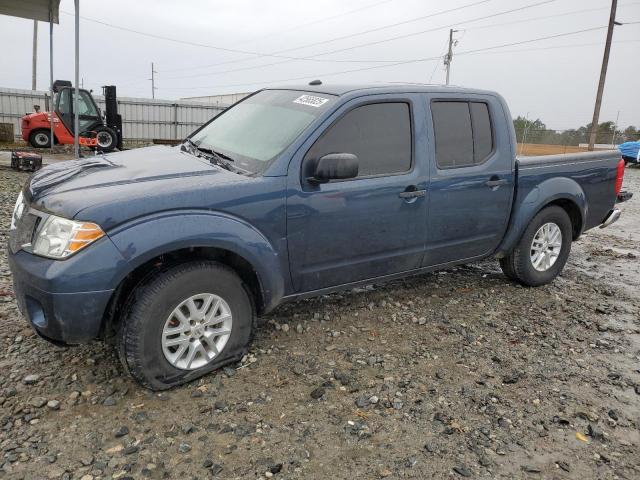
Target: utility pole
{"type": "Point", "coordinates": [603, 75]}
{"type": "Point", "coordinates": [449, 56]}
{"type": "Point", "coordinates": [34, 65]}
{"type": "Point", "coordinates": [153, 82]}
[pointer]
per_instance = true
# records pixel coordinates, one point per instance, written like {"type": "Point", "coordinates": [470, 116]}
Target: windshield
{"type": "Point", "coordinates": [255, 131]}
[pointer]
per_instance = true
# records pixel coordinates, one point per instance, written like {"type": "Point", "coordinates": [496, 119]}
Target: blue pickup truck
{"type": "Point", "coordinates": [173, 252]}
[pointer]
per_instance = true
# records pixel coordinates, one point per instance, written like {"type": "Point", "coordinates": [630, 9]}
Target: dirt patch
{"type": "Point", "coordinates": [544, 149]}
{"type": "Point", "coordinates": [450, 375]}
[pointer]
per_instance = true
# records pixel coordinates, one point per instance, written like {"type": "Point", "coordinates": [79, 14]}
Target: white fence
{"type": "Point", "coordinates": [142, 118]}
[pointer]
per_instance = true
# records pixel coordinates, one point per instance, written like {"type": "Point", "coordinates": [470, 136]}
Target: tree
{"type": "Point", "coordinates": [631, 134]}
{"type": "Point", "coordinates": [531, 127]}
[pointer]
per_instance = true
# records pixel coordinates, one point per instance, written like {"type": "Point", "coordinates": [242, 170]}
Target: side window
{"type": "Point", "coordinates": [85, 105]}
{"type": "Point", "coordinates": [64, 104]}
{"type": "Point", "coordinates": [482, 133]}
{"type": "Point", "coordinates": [378, 134]}
{"type": "Point", "coordinates": [452, 128]}
{"type": "Point", "coordinates": [463, 133]}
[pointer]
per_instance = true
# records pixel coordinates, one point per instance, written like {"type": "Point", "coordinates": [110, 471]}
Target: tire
{"type": "Point", "coordinates": [107, 139]}
{"type": "Point", "coordinates": [40, 138]}
{"type": "Point", "coordinates": [142, 339]}
{"type": "Point", "coordinates": [519, 265]}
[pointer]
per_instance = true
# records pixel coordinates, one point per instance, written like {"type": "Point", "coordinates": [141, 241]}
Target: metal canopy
{"type": "Point", "coordinates": [42, 10]}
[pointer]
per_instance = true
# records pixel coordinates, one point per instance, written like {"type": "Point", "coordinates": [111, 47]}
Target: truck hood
{"type": "Point", "coordinates": [128, 167]}
{"type": "Point", "coordinates": [112, 189]}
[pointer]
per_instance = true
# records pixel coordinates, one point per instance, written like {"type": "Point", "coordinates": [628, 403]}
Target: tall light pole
{"type": "Point", "coordinates": [153, 81]}
{"type": "Point", "coordinates": [603, 74]}
{"type": "Point", "coordinates": [34, 64]}
{"type": "Point", "coordinates": [76, 115]}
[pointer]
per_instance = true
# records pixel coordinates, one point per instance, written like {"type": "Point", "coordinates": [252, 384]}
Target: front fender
{"type": "Point", "coordinates": [148, 237]}
{"type": "Point", "coordinates": [529, 203]}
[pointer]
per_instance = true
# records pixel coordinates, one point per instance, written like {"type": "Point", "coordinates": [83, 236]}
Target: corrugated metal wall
{"type": "Point", "coordinates": [142, 118]}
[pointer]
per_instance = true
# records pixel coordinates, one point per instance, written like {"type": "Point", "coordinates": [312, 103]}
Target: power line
{"type": "Point", "coordinates": [403, 62]}
{"type": "Point", "coordinates": [213, 47]}
{"type": "Point", "coordinates": [376, 42]}
{"type": "Point", "coordinates": [555, 47]}
{"type": "Point", "coordinates": [527, 20]}
{"type": "Point", "coordinates": [391, 25]}
{"type": "Point", "coordinates": [315, 22]}
{"type": "Point", "coordinates": [415, 19]}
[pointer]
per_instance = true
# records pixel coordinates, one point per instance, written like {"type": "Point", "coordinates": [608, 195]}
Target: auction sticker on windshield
{"type": "Point", "coordinates": [311, 100]}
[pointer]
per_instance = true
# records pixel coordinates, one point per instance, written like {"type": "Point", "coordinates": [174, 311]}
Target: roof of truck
{"type": "Point", "coordinates": [343, 89]}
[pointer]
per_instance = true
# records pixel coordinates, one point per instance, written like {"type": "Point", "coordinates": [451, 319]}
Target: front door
{"type": "Point", "coordinates": [373, 225]}
{"type": "Point", "coordinates": [472, 180]}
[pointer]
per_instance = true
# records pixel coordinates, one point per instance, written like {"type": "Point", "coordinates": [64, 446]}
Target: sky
{"type": "Point", "coordinates": [543, 56]}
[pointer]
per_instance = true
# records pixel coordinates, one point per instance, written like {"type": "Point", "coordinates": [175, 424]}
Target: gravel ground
{"type": "Point", "coordinates": [449, 375]}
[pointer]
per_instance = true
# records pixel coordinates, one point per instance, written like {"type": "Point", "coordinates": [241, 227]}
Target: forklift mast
{"type": "Point", "coordinates": [112, 118]}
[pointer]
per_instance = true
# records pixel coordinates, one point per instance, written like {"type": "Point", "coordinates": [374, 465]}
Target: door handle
{"type": "Point", "coordinates": [495, 182]}
{"type": "Point", "coordinates": [412, 193]}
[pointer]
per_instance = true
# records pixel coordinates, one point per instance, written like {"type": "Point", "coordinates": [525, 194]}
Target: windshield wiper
{"type": "Point", "coordinates": [213, 157]}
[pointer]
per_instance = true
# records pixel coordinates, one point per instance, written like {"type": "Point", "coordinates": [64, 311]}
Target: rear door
{"type": "Point", "coordinates": [370, 226]}
{"type": "Point", "coordinates": [472, 177]}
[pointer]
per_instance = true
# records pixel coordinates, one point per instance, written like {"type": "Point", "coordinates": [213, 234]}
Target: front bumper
{"type": "Point", "coordinates": [65, 300]}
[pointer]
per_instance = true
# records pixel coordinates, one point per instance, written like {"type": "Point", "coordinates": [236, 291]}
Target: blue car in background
{"type": "Point", "coordinates": [630, 152]}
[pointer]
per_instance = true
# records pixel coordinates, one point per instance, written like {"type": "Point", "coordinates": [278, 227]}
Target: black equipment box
{"type": "Point", "coordinates": [26, 161]}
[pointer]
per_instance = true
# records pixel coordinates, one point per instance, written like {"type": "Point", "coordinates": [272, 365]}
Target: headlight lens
{"type": "Point", "coordinates": [60, 238]}
{"type": "Point", "coordinates": [18, 210]}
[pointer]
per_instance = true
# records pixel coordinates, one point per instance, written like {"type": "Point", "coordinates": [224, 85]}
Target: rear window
{"type": "Point", "coordinates": [378, 134]}
{"type": "Point", "coordinates": [463, 133]}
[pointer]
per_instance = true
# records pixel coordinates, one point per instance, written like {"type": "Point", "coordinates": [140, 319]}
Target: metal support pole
{"type": "Point", "coordinates": [175, 121]}
{"type": "Point", "coordinates": [51, 75]}
{"type": "Point", "coordinates": [34, 64]}
{"type": "Point", "coordinates": [153, 82]}
{"type": "Point", "coordinates": [76, 116]}
{"type": "Point", "coordinates": [603, 75]}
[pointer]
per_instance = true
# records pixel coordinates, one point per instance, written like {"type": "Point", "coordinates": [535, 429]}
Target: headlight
{"type": "Point", "coordinates": [59, 237]}
{"type": "Point", "coordinates": [18, 210]}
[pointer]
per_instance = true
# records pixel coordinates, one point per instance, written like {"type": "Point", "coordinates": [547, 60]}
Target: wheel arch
{"type": "Point", "coordinates": [124, 292]}
{"type": "Point", "coordinates": [560, 191]}
{"type": "Point", "coordinates": [165, 239]}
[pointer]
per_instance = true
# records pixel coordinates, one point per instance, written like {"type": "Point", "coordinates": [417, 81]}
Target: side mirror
{"type": "Point", "coordinates": [335, 166]}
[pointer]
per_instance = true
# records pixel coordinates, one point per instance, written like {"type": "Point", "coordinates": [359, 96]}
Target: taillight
{"type": "Point", "coordinates": [619, 176]}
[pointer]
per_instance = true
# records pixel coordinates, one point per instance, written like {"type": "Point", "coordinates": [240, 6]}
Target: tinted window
{"type": "Point", "coordinates": [454, 140]}
{"type": "Point", "coordinates": [482, 135]}
{"type": "Point", "coordinates": [462, 132]}
{"type": "Point", "coordinates": [379, 134]}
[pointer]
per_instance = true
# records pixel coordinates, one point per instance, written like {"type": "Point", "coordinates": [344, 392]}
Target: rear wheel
{"type": "Point", "coordinates": [543, 249]}
{"type": "Point", "coordinates": [40, 139]}
{"type": "Point", "coordinates": [189, 320]}
{"type": "Point", "coordinates": [107, 139]}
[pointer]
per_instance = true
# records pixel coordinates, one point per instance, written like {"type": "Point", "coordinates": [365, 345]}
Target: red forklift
{"type": "Point", "coordinates": [97, 131]}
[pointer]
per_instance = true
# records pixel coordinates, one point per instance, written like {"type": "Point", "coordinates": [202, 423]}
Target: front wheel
{"type": "Point", "coordinates": [189, 320]}
{"type": "Point", "coordinates": [543, 249]}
